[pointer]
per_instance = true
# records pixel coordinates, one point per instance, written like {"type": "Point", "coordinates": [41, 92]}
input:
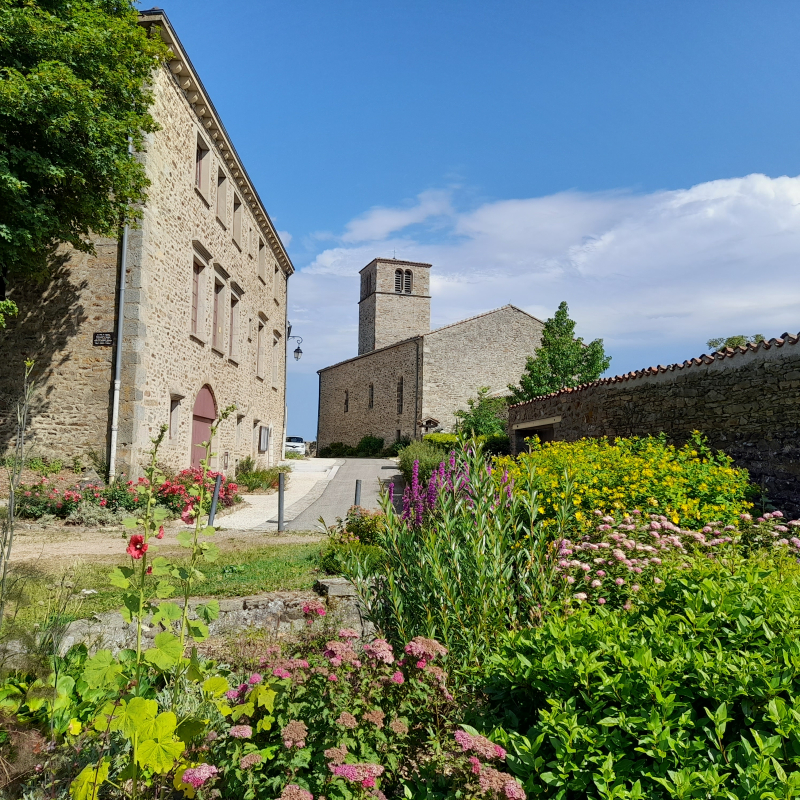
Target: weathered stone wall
{"type": "Point", "coordinates": [386, 317]}
{"type": "Point", "coordinates": [70, 413]}
{"type": "Point", "coordinates": [382, 368]}
{"type": "Point", "coordinates": [162, 360]}
{"type": "Point", "coordinates": [746, 403]}
{"type": "Point", "coordinates": [488, 350]}
{"type": "Point", "coordinates": [162, 357]}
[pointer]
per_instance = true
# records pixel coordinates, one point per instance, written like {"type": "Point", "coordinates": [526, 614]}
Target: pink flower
{"type": "Point", "coordinates": [280, 672]}
{"type": "Point", "coordinates": [601, 601]}
{"type": "Point", "coordinates": [398, 678]}
{"type": "Point", "coordinates": [657, 580]}
{"type": "Point", "coordinates": [241, 731]}
{"type": "Point", "coordinates": [254, 679]}
{"type": "Point", "coordinates": [619, 582]}
{"type": "Point", "coordinates": [595, 584]}
{"type": "Point", "coordinates": [580, 595]}
{"type": "Point", "coordinates": [197, 776]}
{"type": "Point", "coordinates": [103, 502]}
{"type": "Point", "coordinates": [332, 677]}
{"type": "Point", "coordinates": [294, 792]}
{"type": "Point", "coordinates": [348, 633]}
{"type": "Point", "coordinates": [601, 573]}
{"type": "Point", "coordinates": [160, 534]}
{"type": "Point", "coordinates": [187, 515]}
{"type": "Point", "coordinates": [475, 765]}
{"type": "Point", "coordinates": [421, 664]}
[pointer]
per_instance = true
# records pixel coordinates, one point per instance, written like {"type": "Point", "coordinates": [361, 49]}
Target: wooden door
{"type": "Point", "coordinates": [203, 416]}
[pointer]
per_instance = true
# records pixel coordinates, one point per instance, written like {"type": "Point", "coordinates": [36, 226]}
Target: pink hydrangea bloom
{"type": "Point", "coordinates": [197, 776]}
{"type": "Point", "coordinates": [398, 678]}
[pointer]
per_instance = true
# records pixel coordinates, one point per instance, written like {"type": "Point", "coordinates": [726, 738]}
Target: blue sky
{"type": "Point", "coordinates": [628, 157]}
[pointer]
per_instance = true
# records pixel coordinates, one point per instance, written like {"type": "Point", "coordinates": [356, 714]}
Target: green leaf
{"type": "Point", "coordinates": [160, 514]}
{"type": "Point", "coordinates": [161, 566]}
{"type": "Point", "coordinates": [135, 717]}
{"type": "Point", "coordinates": [190, 729]}
{"type": "Point", "coordinates": [118, 577]}
{"type": "Point", "coordinates": [166, 612]}
{"type": "Point", "coordinates": [186, 539]}
{"type": "Point", "coordinates": [216, 686]}
{"type": "Point", "coordinates": [167, 651]}
{"type": "Point", "coordinates": [164, 589]}
{"type": "Point", "coordinates": [89, 779]}
{"type": "Point", "coordinates": [208, 611]}
{"type": "Point", "coordinates": [102, 670]}
{"type": "Point", "coordinates": [210, 551]}
{"type": "Point", "coordinates": [265, 697]}
{"type": "Point", "coordinates": [159, 755]}
{"type": "Point", "coordinates": [208, 531]}
{"type": "Point", "coordinates": [130, 522]}
{"type": "Point", "coordinates": [197, 630]}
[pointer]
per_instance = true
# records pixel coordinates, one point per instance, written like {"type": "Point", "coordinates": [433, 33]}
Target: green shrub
{"type": "Point", "coordinates": [496, 445]}
{"type": "Point", "coordinates": [334, 557]}
{"type": "Point", "coordinates": [694, 694]}
{"type": "Point", "coordinates": [262, 479]}
{"type": "Point", "coordinates": [397, 447]}
{"type": "Point", "coordinates": [337, 450]}
{"type": "Point", "coordinates": [44, 466]}
{"type": "Point", "coordinates": [427, 454]}
{"type": "Point", "coordinates": [370, 447]}
{"type": "Point", "coordinates": [292, 456]}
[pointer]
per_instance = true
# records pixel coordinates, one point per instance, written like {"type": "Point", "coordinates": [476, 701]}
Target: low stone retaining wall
{"type": "Point", "coordinates": [279, 613]}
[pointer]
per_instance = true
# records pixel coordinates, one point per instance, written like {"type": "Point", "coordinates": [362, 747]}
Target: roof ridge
{"type": "Point", "coordinates": [705, 358]}
{"type": "Point", "coordinates": [482, 314]}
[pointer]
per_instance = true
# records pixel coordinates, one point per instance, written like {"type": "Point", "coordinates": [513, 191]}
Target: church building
{"type": "Point", "coordinates": [408, 380]}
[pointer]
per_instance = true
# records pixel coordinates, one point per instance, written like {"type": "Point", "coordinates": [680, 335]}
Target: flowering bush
{"type": "Point", "coordinates": [688, 485]}
{"type": "Point", "coordinates": [693, 693]}
{"type": "Point", "coordinates": [38, 499]}
{"type": "Point", "coordinates": [347, 721]}
{"type": "Point", "coordinates": [626, 555]}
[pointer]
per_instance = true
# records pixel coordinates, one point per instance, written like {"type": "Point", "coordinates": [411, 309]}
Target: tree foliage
{"type": "Point", "coordinates": [733, 341]}
{"type": "Point", "coordinates": [561, 362]}
{"type": "Point", "coordinates": [74, 90]}
{"type": "Point", "coordinates": [484, 416]}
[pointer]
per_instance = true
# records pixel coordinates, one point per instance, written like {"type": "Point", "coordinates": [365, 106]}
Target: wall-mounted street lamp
{"type": "Point", "coordinates": [298, 352]}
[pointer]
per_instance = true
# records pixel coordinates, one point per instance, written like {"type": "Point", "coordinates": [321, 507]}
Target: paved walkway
{"type": "Point", "coordinates": [338, 494]}
{"type": "Point", "coordinates": [317, 487]}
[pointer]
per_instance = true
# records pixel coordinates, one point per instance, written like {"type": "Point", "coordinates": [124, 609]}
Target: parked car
{"type": "Point", "coordinates": [295, 444]}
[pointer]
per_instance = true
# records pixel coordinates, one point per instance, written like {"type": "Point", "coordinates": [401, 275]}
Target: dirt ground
{"type": "Point", "coordinates": [56, 544]}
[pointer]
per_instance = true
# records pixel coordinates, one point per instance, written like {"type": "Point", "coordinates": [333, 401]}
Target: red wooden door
{"type": "Point", "coordinates": [203, 416]}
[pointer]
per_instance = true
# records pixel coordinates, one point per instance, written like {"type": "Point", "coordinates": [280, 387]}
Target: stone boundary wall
{"type": "Point", "coordinates": [279, 613]}
{"type": "Point", "coordinates": [746, 401]}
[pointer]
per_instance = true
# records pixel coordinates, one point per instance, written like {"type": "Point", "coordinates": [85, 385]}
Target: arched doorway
{"type": "Point", "coordinates": [203, 416]}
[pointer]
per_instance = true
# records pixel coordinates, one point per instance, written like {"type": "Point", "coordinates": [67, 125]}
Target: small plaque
{"type": "Point", "coordinates": [103, 339]}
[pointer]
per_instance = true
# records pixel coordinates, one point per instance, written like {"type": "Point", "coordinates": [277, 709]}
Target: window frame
{"type": "Point", "coordinates": [262, 260]}
{"type": "Point", "coordinates": [238, 213]}
{"type": "Point", "coordinates": [222, 198]}
{"type": "Point", "coordinates": [346, 401]}
{"type": "Point", "coordinates": [408, 282]}
{"type": "Point", "coordinates": [234, 324]}
{"type": "Point", "coordinates": [371, 396]}
{"type": "Point", "coordinates": [398, 281]}
{"type": "Point", "coordinates": [400, 395]}
{"type": "Point", "coordinates": [202, 168]}
{"type": "Point", "coordinates": [197, 306]}
{"type": "Point", "coordinates": [218, 315]}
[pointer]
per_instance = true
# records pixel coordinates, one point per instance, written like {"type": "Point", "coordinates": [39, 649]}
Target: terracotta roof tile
{"type": "Point", "coordinates": [720, 355]}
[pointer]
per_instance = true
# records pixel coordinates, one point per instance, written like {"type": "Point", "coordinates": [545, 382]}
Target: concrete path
{"type": "Point", "coordinates": [337, 495]}
{"type": "Point", "coordinates": [306, 483]}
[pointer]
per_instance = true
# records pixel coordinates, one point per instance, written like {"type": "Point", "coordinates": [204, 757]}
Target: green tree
{"type": "Point", "coordinates": [485, 416]}
{"type": "Point", "coordinates": [733, 341]}
{"type": "Point", "coordinates": [561, 362]}
{"type": "Point", "coordinates": [74, 91]}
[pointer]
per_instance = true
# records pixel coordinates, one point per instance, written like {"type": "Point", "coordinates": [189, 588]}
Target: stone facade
{"type": "Point", "coordinates": [439, 370]}
{"type": "Point", "coordinates": [205, 306]}
{"type": "Point", "coordinates": [746, 401]}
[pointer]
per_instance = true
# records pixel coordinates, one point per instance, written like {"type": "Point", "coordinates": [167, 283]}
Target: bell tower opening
{"type": "Point", "coordinates": [395, 303]}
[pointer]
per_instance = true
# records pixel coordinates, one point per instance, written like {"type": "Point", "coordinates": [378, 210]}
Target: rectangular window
{"type": "Point", "coordinates": [237, 220]}
{"type": "Point", "coordinates": [400, 396]}
{"type": "Point", "coordinates": [275, 285]}
{"type": "Point", "coordinates": [219, 316]}
{"type": "Point", "coordinates": [197, 298]}
{"type": "Point", "coordinates": [263, 439]}
{"type": "Point", "coordinates": [222, 198]}
{"type": "Point", "coordinates": [233, 343]}
{"type": "Point", "coordinates": [260, 351]}
{"type": "Point", "coordinates": [202, 165]}
{"type": "Point", "coordinates": [262, 260]}
{"type": "Point", "coordinates": [371, 396]}
{"type": "Point", "coordinates": [346, 401]}
{"type": "Point", "coordinates": [174, 417]}
{"type": "Point", "coordinates": [276, 360]}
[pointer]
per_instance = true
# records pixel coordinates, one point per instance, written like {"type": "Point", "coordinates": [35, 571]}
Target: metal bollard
{"type": "Point", "coordinates": [280, 501]}
{"type": "Point", "coordinates": [358, 492]}
{"type": "Point", "coordinates": [214, 500]}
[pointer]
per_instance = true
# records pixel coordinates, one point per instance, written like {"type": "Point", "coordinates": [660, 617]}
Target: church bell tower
{"type": "Point", "coordinates": [395, 303]}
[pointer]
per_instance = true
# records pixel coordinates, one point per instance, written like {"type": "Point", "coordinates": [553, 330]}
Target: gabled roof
{"type": "Point", "coordinates": [186, 77]}
{"type": "Point", "coordinates": [484, 314]}
{"type": "Point", "coordinates": [703, 360]}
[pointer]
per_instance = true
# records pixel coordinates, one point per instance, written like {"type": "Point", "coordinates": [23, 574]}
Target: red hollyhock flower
{"type": "Point", "coordinates": [136, 547]}
{"type": "Point", "coordinates": [160, 534]}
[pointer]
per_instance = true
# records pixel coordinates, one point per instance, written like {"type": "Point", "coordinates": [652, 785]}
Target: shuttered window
{"type": "Point", "coordinates": [398, 281]}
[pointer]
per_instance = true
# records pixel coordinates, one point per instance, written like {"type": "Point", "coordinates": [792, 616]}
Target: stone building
{"type": "Point", "coordinates": [745, 400]}
{"type": "Point", "coordinates": [203, 319]}
{"type": "Point", "coordinates": [408, 380]}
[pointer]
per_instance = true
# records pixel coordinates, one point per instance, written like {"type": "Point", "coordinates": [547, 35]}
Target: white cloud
{"type": "Point", "coordinates": [285, 237]}
{"type": "Point", "coordinates": [655, 275]}
{"type": "Point", "coordinates": [378, 223]}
